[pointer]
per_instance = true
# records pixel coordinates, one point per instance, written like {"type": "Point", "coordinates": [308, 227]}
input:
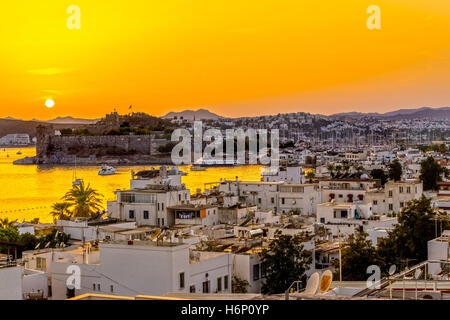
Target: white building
{"type": "Point", "coordinates": [146, 268]}
{"type": "Point", "coordinates": [19, 139]}
{"type": "Point", "coordinates": [288, 174]}
{"type": "Point", "coordinates": [394, 196]}
{"type": "Point", "coordinates": [151, 193]}
{"type": "Point", "coordinates": [438, 250]}
{"type": "Point", "coordinates": [277, 196]}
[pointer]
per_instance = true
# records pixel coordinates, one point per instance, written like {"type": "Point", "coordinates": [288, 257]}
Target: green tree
{"type": "Point", "coordinates": [5, 223]}
{"type": "Point", "coordinates": [310, 175]}
{"type": "Point", "coordinates": [409, 238]}
{"type": "Point", "coordinates": [61, 211]}
{"type": "Point", "coordinates": [239, 285]}
{"type": "Point", "coordinates": [395, 170]}
{"type": "Point", "coordinates": [379, 174]}
{"type": "Point", "coordinates": [285, 261]}
{"type": "Point", "coordinates": [167, 148]}
{"type": "Point", "coordinates": [330, 169]}
{"type": "Point", "coordinates": [358, 254]}
{"type": "Point", "coordinates": [431, 173]}
{"type": "Point", "coordinates": [83, 201]}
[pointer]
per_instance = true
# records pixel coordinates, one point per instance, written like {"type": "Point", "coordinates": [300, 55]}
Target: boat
{"type": "Point", "coordinates": [107, 171]}
{"type": "Point", "coordinates": [197, 168]}
{"type": "Point", "coordinates": [216, 163]}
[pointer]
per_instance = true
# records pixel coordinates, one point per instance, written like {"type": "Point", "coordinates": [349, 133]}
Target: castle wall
{"type": "Point", "coordinates": [141, 144]}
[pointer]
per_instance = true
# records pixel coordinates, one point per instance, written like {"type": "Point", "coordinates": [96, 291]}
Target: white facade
{"type": "Point", "coordinates": [11, 283]}
{"type": "Point", "coordinates": [292, 175]}
{"type": "Point", "coordinates": [18, 139]}
{"type": "Point", "coordinates": [276, 196]}
{"type": "Point", "coordinates": [394, 196]}
{"type": "Point", "coordinates": [142, 267]}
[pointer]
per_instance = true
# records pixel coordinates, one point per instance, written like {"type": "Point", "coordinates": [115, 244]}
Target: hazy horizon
{"type": "Point", "coordinates": [235, 59]}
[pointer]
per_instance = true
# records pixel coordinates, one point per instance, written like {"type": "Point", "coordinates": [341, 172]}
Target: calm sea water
{"type": "Point", "coordinates": [28, 191]}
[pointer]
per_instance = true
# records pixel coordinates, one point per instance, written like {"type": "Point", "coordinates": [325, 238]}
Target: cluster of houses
{"type": "Point", "coordinates": [159, 239]}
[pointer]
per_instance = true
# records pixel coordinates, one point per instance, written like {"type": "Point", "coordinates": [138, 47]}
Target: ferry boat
{"type": "Point", "coordinates": [216, 163]}
{"type": "Point", "coordinates": [107, 171]}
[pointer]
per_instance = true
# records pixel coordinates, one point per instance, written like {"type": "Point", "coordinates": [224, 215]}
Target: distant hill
{"type": "Point", "coordinates": [71, 120]}
{"type": "Point", "coordinates": [200, 114]}
{"type": "Point", "coordinates": [8, 126]}
{"type": "Point", "coordinates": [401, 114]}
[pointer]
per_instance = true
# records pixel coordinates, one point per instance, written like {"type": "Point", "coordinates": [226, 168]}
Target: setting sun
{"type": "Point", "coordinates": [49, 103]}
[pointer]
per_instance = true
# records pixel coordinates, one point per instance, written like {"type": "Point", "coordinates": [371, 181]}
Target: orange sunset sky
{"type": "Point", "coordinates": [234, 57]}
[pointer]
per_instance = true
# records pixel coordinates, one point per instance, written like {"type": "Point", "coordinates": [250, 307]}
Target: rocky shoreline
{"type": "Point", "coordinates": [92, 160]}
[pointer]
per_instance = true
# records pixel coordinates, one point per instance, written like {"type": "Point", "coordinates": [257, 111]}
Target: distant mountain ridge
{"type": "Point", "coordinates": [401, 114]}
{"type": "Point", "coordinates": [200, 114]}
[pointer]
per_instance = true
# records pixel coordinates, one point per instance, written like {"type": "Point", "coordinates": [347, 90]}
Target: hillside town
{"type": "Point", "coordinates": [344, 207]}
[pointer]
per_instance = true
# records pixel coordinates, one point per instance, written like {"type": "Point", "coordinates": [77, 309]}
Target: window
{"type": "Point", "coordinates": [158, 221]}
{"type": "Point", "coordinates": [162, 206]}
{"type": "Point", "coordinates": [145, 214]}
{"type": "Point", "coordinates": [192, 289]}
{"type": "Point", "coordinates": [162, 221]}
{"type": "Point", "coordinates": [131, 214]}
{"type": "Point", "coordinates": [400, 189]}
{"type": "Point", "coordinates": [255, 272]}
{"type": "Point", "coordinates": [179, 197]}
{"type": "Point", "coordinates": [402, 204]}
{"type": "Point", "coordinates": [272, 200]}
{"type": "Point", "coordinates": [93, 286]}
{"type": "Point", "coordinates": [322, 220]}
{"type": "Point", "coordinates": [375, 202]}
{"type": "Point", "coordinates": [408, 189]}
{"type": "Point", "coordinates": [206, 287]}
{"type": "Point", "coordinates": [225, 282]}
{"type": "Point", "coordinates": [390, 193]}
{"type": "Point", "coordinates": [112, 288]}
{"type": "Point", "coordinates": [182, 280]}
{"type": "Point", "coordinates": [391, 207]}
{"type": "Point", "coordinates": [219, 284]}
{"type": "Point", "coordinates": [158, 206]}
{"type": "Point", "coordinates": [259, 200]}
{"type": "Point", "coordinates": [282, 200]}
{"type": "Point", "coordinates": [41, 263]}
{"type": "Point", "coordinates": [98, 286]}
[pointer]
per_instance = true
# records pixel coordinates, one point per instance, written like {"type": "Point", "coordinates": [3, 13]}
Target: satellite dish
{"type": "Point", "coordinates": [392, 269]}
{"type": "Point", "coordinates": [312, 286]}
{"type": "Point", "coordinates": [325, 281]}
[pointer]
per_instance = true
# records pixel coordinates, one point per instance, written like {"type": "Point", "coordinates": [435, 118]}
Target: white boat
{"type": "Point", "coordinates": [197, 168]}
{"type": "Point", "coordinates": [107, 171]}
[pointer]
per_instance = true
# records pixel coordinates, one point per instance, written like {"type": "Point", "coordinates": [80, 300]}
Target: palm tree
{"type": "Point", "coordinates": [84, 201]}
{"type": "Point", "coordinates": [6, 224]}
{"type": "Point", "coordinates": [60, 211]}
